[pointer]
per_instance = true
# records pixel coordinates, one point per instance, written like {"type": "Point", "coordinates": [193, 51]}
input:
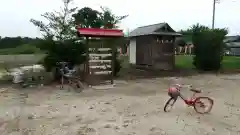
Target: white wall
{"type": "Point", "coordinates": [132, 51]}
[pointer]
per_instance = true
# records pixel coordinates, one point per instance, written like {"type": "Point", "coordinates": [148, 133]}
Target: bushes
{"type": "Point", "coordinates": [209, 47]}
{"type": "Point", "coordinates": [69, 51]}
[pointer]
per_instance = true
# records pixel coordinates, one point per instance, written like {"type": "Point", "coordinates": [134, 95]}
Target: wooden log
{"type": "Point", "coordinates": [99, 49]}
{"type": "Point", "coordinates": [102, 72]}
{"type": "Point", "coordinates": [102, 61]}
{"type": "Point", "coordinates": [99, 55]}
{"type": "Point", "coordinates": [100, 67]}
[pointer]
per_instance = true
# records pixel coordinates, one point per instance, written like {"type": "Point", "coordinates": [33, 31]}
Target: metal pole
{"type": "Point", "coordinates": [213, 16]}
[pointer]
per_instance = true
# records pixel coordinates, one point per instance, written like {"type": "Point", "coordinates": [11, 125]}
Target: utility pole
{"type": "Point", "coordinates": [213, 15]}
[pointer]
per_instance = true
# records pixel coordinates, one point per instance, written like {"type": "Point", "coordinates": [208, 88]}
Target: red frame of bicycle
{"type": "Point", "coordinates": [190, 101]}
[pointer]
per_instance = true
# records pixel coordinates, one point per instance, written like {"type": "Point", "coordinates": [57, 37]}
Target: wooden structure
{"type": "Point", "coordinates": [152, 46]}
{"type": "Point", "coordinates": [99, 67]}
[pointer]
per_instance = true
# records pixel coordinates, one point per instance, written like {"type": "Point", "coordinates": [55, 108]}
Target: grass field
{"type": "Point", "coordinates": [229, 62]}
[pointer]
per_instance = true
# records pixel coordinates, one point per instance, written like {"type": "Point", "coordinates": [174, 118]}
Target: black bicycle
{"type": "Point", "coordinates": [69, 75]}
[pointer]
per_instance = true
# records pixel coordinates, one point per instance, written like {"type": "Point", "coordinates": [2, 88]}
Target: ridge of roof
{"type": "Point", "coordinates": [151, 25]}
{"type": "Point", "coordinates": [149, 29]}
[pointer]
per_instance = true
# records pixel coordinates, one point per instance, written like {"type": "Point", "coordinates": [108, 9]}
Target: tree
{"type": "Point", "coordinates": [90, 18]}
{"type": "Point", "coordinates": [109, 19]}
{"type": "Point", "coordinates": [14, 42]}
{"type": "Point", "coordinates": [60, 38]}
{"type": "Point", "coordinates": [60, 33]}
{"type": "Point", "coordinates": [87, 18]}
{"type": "Point", "coordinates": [208, 47]}
{"type": "Point", "coordinates": [67, 50]}
{"type": "Point", "coordinates": [60, 24]}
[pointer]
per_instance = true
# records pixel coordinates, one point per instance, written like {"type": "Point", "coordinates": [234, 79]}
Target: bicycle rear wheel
{"type": "Point", "coordinates": [169, 104]}
{"type": "Point", "coordinates": [203, 105]}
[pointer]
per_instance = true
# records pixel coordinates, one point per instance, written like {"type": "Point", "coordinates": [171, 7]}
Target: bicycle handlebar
{"type": "Point", "coordinates": [190, 87]}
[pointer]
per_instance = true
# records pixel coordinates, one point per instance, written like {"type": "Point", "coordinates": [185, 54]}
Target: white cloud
{"type": "Point", "coordinates": [15, 14]}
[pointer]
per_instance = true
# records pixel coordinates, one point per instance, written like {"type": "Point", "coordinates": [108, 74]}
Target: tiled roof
{"type": "Point", "coordinates": [154, 29]}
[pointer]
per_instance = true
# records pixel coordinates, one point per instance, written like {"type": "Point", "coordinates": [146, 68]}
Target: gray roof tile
{"type": "Point", "coordinates": [152, 29]}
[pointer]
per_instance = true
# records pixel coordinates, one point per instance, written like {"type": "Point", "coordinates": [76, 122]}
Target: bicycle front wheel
{"type": "Point", "coordinates": [76, 85]}
{"type": "Point", "coordinates": [169, 104]}
{"type": "Point", "coordinates": [203, 105]}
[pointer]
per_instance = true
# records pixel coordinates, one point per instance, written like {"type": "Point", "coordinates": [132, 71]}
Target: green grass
{"type": "Point", "coordinates": [124, 61]}
{"type": "Point", "coordinates": [183, 61]}
{"type": "Point", "coordinates": [1, 68]}
{"type": "Point", "coordinates": [229, 62]}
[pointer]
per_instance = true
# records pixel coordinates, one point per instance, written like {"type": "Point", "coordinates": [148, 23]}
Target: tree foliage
{"type": "Point", "coordinates": [109, 19]}
{"type": "Point", "coordinates": [60, 33]}
{"type": "Point", "coordinates": [90, 18]}
{"type": "Point", "coordinates": [60, 24]}
{"type": "Point", "coordinates": [68, 50]}
{"type": "Point", "coordinates": [19, 45]}
{"type": "Point", "coordinates": [87, 18]}
{"type": "Point", "coordinates": [12, 42]}
{"type": "Point", "coordinates": [60, 37]}
{"type": "Point", "coordinates": [208, 47]}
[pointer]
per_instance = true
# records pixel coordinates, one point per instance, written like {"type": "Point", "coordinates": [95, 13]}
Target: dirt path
{"type": "Point", "coordinates": [131, 108]}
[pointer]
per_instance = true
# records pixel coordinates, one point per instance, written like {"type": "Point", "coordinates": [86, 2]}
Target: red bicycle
{"type": "Point", "coordinates": [198, 102]}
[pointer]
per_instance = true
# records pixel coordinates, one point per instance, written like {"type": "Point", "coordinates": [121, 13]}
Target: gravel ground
{"type": "Point", "coordinates": [130, 108]}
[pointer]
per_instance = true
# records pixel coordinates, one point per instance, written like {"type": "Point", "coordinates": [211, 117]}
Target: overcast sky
{"type": "Point", "coordinates": [180, 14]}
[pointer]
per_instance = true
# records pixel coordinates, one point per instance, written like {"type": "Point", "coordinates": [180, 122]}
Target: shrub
{"type": "Point", "coordinates": [69, 51]}
{"type": "Point", "coordinates": [209, 47]}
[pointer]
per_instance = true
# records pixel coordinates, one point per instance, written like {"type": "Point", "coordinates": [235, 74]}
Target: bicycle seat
{"type": "Point", "coordinates": [196, 91]}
